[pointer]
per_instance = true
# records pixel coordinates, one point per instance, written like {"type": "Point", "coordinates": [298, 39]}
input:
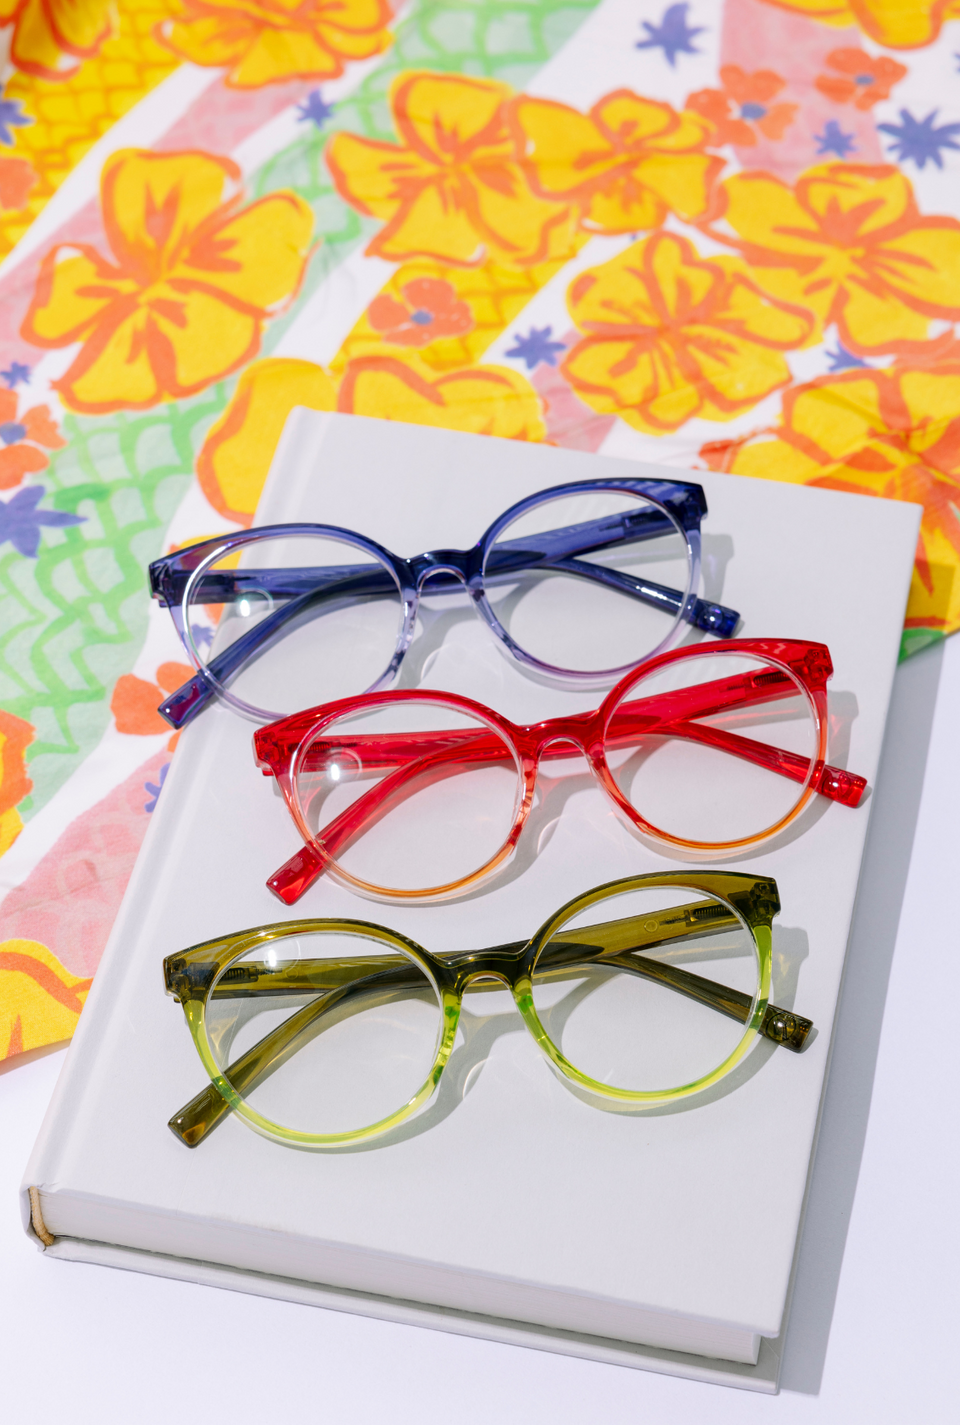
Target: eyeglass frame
{"type": "Point", "coordinates": [280, 748]}
{"type": "Point", "coordinates": [682, 504]}
{"type": "Point", "coordinates": [190, 975]}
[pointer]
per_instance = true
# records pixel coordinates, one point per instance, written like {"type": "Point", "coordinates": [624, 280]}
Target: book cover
{"type": "Point", "coordinates": [509, 1207]}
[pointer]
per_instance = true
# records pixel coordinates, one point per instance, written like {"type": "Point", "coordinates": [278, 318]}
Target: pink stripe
{"type": "Point", "coordinates": [222, 118]}
{"type": "Point", "coordinates": [761, 36]}
{"type": "Point", "coordinates": [570, 422]}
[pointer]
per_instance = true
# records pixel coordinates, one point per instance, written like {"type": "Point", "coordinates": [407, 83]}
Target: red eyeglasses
{"type": "Point", "coordinates": [419, 795]}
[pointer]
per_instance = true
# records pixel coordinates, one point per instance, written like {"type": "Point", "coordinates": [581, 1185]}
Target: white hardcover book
{"type": "Point", "coordinates": [510, 1208]}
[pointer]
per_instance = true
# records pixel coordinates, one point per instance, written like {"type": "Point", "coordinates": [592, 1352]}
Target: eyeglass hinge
{"type": "Point", "coordinates": [786, 1028]}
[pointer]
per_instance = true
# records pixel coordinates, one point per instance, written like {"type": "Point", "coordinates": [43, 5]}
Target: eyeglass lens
{"type": "Point", "coordinates": [408, 790]}
{"type": "Point", "coordinates": [599, 608]}
{"type": "Point", "coordinates": [346, 1030]}
{"type": "Point", "coordinates": [309, 641]}
{"type": "Point", "coordinates": [608, 988]}
{"type": "Point", "coordinates": [674, 747]}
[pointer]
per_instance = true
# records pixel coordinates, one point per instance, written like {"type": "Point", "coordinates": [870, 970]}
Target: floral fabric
{"type": "Point", "coordinates": [718, 236]}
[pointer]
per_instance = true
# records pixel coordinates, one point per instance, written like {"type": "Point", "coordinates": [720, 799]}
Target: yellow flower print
{"type": "Point", "coordinates": [452, 188]}
{"type": "Point", "coordinates": [195, 278]}
{"type": "Point", "coordinates": [898, 24]}
{"type": "Point", "coordinates": [625, 164]}
{"type": "Point", "coordinates": [848, 243]}
{"type": "Point", "coordinates": [233, 465]}
{"type": "Point", "coordinates": [893, 433]}
{"type": "Point", "coordinates": [266, 41]}
{"type": "Point", "coordinates": [40, 1001]}
{"type": "Point", "coordinates": [668, 336]}
{"type": "Point", "coordinates": [484, 400]}
{"type": "Point", "coordinates": [48, 34]}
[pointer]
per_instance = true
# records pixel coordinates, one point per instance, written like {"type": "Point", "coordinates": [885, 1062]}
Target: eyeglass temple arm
{"type": "Point", "coordinates": [379, 974]}
{"type": "Point", "coordinates": [195, 1120]}
{"type": "Point", "coordinates": [616, 942]}
{"type": "Point", "coordinates": [298, 873]}
{"type": "Point", "coordinates": [193, 696]}
{"type": "Point", "coordinates": [699, 613]}
{"type": "Point", "coordinates": [169, 577]}
{"type": "Point", "coordinates": [307, 587]}
{"type": "Point", "coordinates": [662, 713]}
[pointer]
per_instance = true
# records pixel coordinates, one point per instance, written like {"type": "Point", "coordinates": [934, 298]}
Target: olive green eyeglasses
{"type": "Point", "coordinates": [330, 1032]}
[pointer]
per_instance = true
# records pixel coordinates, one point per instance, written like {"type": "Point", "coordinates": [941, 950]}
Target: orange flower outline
{"type": "Point", "coordinates": [239, 447]}
{"type": "Point", "coordinates": [893, 433]}
{"type": "Point", "coordinates": [46, 31]}
{"type": "Point", "coordinates": [452, 188]}
{"type": "Point", "coordinates": [848, 243]}
{"type": "Point", "coordinates": [484, 400]}
{"type": "Point", "coordinates": [624, 164]}
{"type": "Point", "coordinates": [268, 42]}
{"type": "Point", "coordinates": [195, 278]}
{"type": "Point", "coordinates": [669, 336]}
{"type": "Point", "coordinates": [40, 999]}
{"type": "Point", "coordinates": [909, 25]}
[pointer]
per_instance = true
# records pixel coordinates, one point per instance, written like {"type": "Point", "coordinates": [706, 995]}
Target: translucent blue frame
{"type": "Point", "coordinates": [679, 506]}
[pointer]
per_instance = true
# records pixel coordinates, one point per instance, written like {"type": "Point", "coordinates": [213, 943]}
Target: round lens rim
{"type": "Point", "coordinates": [648, 1097]}
{"type": "Point", "coordinates": [240, 541]}
{"type": "Point", "coordinates": [581, 678]}
{"type": "Point", "coordinates": [707, 848]}
{"type": "Point", "coordinates": [523, 801]}
{"type": "Point", "coordinates": [448, 1008]}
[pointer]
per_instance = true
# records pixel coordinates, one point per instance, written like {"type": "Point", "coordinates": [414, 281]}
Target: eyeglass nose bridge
{"type": "Point", "coordinates": [444, 570]}
{"type": "Point", "coordinates": [575, 739]}
{"type": "Point", "coordinates": [485, 977]}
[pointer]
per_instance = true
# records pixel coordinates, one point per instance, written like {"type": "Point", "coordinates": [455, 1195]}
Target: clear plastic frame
{"type": "Point", "coordinates": [579, 583]}
{"type": "Point", "coordinates": [323, 1033]}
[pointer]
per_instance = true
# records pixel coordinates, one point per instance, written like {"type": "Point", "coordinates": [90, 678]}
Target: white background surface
{"type": "Point", "coordinates": [873, 1328]}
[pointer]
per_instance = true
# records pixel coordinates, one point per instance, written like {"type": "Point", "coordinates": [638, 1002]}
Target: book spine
{"type": "Point", "coordinates": [46, 1162]}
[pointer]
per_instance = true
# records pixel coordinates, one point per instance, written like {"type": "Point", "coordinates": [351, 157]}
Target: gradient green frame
{"type": "Point", "coordinates": [192, 976]}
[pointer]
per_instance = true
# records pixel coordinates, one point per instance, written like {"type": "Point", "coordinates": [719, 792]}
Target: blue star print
{"type": "Point", "coordinates": [842, 359]}
{"type": "Point", "coordinates": [315, 108]}
{"type": "Point", "coordinates": [672, 35]}
{"type": "Point", "coordinates": [21, 521]}
{"type": "Point", "coordinates": [834, 140]}
{"type": "Point", "coordinates": [15, 373]}
{"type": "Point", "coordinates": [918, 140]}
{"type": "Point", "coordinates": [154, 790]}
{"type": "Point", "coordinates": [11, 114]}
{"type": "Point", "coordinates": [536, 346]}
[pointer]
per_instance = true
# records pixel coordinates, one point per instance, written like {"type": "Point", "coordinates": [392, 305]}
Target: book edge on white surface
{"type": "Point", "coordinates": [689, 1332]}
{"type": "Point", "coordinates": [762, 1377]}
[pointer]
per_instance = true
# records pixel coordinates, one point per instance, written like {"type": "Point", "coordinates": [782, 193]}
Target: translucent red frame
{"type": "Point", "coordinates": [288, 747]}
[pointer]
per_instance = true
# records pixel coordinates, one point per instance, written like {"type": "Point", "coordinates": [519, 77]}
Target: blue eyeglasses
{"type": "Point", "coordinates": [579, 583]}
